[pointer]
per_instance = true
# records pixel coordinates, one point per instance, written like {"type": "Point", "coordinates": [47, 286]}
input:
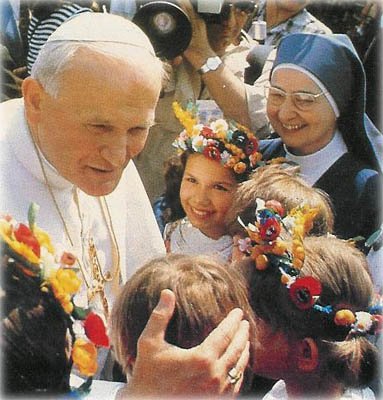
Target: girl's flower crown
{"type": "Point", "coordinates": [268, 250]}
{"type": "Point", "coordinates": [32, 248]}
{"type": "Point", "coordinates": [230, 143]}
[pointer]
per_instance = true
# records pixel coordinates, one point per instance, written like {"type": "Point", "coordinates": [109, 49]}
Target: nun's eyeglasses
{"type": "Point", "coordinates": [301, 100]}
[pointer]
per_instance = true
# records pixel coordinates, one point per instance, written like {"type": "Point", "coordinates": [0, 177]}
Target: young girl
{"type": "Point", "coordinates": [215, 157]}
{"type": "Point", "coordinates": [313, 310]}
{"type": "Point", "coordinates": [204, 290]}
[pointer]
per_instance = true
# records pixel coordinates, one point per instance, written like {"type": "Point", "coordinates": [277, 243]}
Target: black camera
{"type": "Point", "coordinates": [168, 26]}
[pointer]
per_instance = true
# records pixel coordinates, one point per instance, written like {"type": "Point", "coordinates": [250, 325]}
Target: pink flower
{"type": "Point", "coordinates": [244, 245]}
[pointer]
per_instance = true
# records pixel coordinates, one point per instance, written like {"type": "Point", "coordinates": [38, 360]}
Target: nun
{"type": "Point", "coordinates": [316, 106]}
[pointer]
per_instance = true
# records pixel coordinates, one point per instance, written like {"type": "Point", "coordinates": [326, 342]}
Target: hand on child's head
{"type": "Point", "coordinates": [164, 368]}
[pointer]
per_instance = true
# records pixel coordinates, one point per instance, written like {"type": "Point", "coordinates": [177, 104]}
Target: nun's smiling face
{"type": "Point", "coordinates": [302, 131]}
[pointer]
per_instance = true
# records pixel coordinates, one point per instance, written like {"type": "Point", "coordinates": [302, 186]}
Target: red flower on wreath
{"type": "Point", "coordinates": [303, 292]}
{"type": "Point", "coordinates": [270, 229]}
{"type": "Point", "coordinates": [212, 152]}
{"type": "Point", "coordinates": [24, 235]}
{"type": "Point", "coordinates": [207, 132]}
{"type": "Point", "coordinates": [95, 330]}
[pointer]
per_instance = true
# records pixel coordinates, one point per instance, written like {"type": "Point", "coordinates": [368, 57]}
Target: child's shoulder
{"type": "Point", "coordinates": [175, 226]}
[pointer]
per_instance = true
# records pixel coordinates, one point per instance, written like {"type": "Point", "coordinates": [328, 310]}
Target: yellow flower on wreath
{"type": "Point", "coordinates": [185, 117]}
{"type": "Point", "coordinates": [65, 283]}
{"type": "Point", "coordinates": [6, 232]}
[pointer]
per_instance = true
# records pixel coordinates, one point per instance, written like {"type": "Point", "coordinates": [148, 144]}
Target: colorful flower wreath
{"type": "Point", "coordinates": [36, 256]}
{"type": "Point", "coordinates": [230, 143]}
{"type": "Point", "coordinates": [266, 247]}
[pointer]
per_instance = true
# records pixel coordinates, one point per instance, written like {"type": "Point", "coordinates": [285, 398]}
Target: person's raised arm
{"type": "Point", "coordinates": [225, 88]}
{"type": "Point", "coordinates": [164, 370]}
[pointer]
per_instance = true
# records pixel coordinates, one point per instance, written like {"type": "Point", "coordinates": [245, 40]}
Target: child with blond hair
{"type": "Point", "coordinates": [205, 292]}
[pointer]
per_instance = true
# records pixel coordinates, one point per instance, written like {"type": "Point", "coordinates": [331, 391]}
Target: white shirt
{"type": "Point", "coordinates": [22, 182]}
{"type": "Point", "coordinates": [186, 239]}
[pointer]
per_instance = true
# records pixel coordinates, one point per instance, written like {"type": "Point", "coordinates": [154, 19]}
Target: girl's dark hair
{"type": "Point", "coordinates": [174, 170]}
{"type": "Point", "coordinates": [36, 335]}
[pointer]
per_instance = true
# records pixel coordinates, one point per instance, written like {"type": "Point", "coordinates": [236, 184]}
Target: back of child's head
{"type": "Point", "coordinates": [346, 355]}
{"type": "Point", "coordinates": [279, 182]}
{"type": "Point", "coordinates": [205, 292]}
{"type": "Point", "coordinates": [36, 335]}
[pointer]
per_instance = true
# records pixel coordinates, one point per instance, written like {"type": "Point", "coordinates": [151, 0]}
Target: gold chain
{"type": "Point", "coordinates": [98, 278]}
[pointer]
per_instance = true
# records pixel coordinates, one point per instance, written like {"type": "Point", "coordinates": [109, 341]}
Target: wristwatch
{"type": "Point", "coordinates": [211, 64]}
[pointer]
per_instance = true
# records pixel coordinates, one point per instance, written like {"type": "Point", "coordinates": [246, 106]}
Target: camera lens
{"type": "Point", "coordinates": [167, 26]}
{"type": "Point", "coordinates": [163, 23]}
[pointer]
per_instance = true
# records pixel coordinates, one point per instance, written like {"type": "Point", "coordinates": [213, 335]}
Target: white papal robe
{"type": "Point", "coordinates": [22, 182]}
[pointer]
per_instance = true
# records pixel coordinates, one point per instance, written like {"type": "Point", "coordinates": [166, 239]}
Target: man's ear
{"type": "Point", "coordinates": [33, 93]}
{"type": "Point", "coordinates": [308, 357]}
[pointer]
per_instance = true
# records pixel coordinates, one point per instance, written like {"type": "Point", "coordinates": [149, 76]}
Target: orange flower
{"type": "Point", "coordinates": [344, 317]}
{"type": "Point", "coordinates": [84, 356]}
{"type": "Point", "coordinates": [262, 262]}
{"type": "Point", "coordinates": [232, 161]}
{"type": "Point", "coordinates": [239, 168]}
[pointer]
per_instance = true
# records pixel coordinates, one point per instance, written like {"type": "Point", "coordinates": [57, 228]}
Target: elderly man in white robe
{"type": "Point", "coordinates": [67, 145]}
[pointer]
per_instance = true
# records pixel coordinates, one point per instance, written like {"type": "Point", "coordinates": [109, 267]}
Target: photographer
{"type": "Point", "coordinates": [223, 37]}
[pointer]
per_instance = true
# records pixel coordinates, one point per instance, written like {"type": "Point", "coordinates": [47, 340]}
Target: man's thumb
{"type": "Point", "coordinates": [156, 326]}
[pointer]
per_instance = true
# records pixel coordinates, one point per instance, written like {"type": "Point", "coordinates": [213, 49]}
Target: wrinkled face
{"type": "Point", "coordinates": [206, 194]}
{"type": "Point", "coordinates": [99, 120]}
{"type": "Point", "coordinates": [271, 351]}
{"type": "Point", "coordinates": [303, 132]}
{"type": "Point", "coordinates": [223, 35]}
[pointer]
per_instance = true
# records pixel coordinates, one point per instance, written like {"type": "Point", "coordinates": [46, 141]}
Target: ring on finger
{"type": "Point", "coordinates": [234, 376]}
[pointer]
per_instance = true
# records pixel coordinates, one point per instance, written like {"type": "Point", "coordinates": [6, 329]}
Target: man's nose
{"type": "Point", "coordinates": [115, 154]}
